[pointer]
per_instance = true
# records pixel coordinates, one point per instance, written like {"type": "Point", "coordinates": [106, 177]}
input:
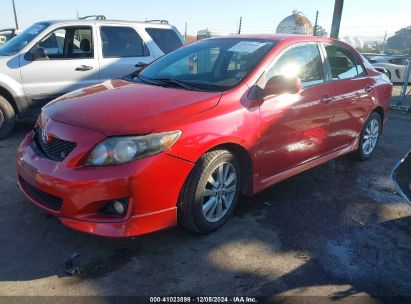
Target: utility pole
{"type": "Point", "coordinates": [185, 32]}
{"type": "Point", "coordinates": [316, 24]}
{"type": "Point", "coordinates": [335, 27]}
{"type": "Point", "coordinates": [406, 78]}
{"type": "Point", "coordinates": [239, 27]}
{"type": "Point", "coordinates": [15, 14]}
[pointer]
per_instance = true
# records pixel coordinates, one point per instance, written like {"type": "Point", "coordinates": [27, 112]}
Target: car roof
{"type": "Point", "coordinates": [281, 37]}
{"type": "Point", "coordinates": [108, 21]}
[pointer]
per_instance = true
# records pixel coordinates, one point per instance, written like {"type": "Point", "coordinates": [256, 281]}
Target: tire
{"type": "Point", "coordinates": [365, 151]}
{"type": "Point", "coordinates": [7, 117]}
{"type": "Point", "coordinates": [199, 196]}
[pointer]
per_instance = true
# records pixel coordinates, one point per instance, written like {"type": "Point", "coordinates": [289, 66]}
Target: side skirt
{"type": "Point", "coordinates": [261, 184]}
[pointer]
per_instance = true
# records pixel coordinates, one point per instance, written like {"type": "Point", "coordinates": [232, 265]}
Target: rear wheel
{"type": "Point", "coordinates": [369, 137]}
{"type": "Point", "coordinates": [211, 192]}
{"type": "Point", "coordinates": [7, 117]}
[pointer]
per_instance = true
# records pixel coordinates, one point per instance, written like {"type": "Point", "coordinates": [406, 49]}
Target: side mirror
{"type": "Point", "coordinates": [140, 65]}
{"type": "Point", "coordinates": [402, 176]}
{"type": "Point", "coordinates": [280, 84]}
{"type": "Point", "coordinates": [36, 53]}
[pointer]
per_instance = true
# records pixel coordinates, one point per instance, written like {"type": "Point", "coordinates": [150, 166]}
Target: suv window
{"type": "Point", "coordinates": [398, 61]}
{"type": "Point", "coordinates": [343, 63]}
{"type": "Point", "coordinates": [68, 43]}
{"type": "Point", "coordinates": [303, 61]}
{"type": "Point", "coordinates": [122, 41]}
{"type": "Point", "coordinates": [166, 39]}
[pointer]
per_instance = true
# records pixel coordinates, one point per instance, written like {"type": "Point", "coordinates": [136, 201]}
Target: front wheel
{"type": "Point", "coordinates": [211, 192]}
{"type": "Point", "coordinates": [369, 137]}
{"type": "Point", "coordinates": [7, 117]}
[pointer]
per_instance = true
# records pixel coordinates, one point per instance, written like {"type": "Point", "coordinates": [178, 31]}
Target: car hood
{"type": "Point", "coordinates": [119, 107]}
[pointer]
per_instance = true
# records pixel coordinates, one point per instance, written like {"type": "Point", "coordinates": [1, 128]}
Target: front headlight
{"type": "Point", "coordinates": [120, 150]}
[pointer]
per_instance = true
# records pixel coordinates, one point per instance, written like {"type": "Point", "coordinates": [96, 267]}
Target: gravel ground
{"type": "Point", "coordinates": [339, 230]}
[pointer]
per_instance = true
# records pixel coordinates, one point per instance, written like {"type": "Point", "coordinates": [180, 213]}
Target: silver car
{"type": "Point", "coordinates": [52, 58]}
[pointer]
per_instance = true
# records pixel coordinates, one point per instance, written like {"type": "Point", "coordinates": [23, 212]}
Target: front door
{"type": "Point", "coordinates": [295, 127]}
{"type": "Point", "coordinates": [69, 63]}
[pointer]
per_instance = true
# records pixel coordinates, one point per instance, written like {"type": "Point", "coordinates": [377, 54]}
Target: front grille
{"type": "Point", "coordinates": [57, 149]}
{"type": "Point", "coordinates": [41, 197]}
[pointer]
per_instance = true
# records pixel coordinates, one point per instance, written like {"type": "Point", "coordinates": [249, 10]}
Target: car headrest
{"type": "Point", "coordinates": [339, 62]}
{"type": "Point", "coordinates": [85, 45]}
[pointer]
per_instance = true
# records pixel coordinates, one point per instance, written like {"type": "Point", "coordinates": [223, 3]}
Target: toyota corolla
{"type": "Point", "coordinates": [179, 141]}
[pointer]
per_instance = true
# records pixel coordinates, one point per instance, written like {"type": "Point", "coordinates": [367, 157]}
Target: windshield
{"type": "Point", "coordinates": [16, 44]}
{"type": "Point", "coordinates": [214, 65]}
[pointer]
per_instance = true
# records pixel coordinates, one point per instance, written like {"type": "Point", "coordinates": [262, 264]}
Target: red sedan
{"type": "Point", "coordinates": [181, 140]}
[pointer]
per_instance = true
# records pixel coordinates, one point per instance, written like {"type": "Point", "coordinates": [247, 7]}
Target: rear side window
{"type": "Point", "coordinates": [166, 39]}
{"type": "Point", "coordinates": [343, 63]}
{"type": "Point", "coordinates": [303, 61]}
{"type": "Point", "coordinates": [119, 41]}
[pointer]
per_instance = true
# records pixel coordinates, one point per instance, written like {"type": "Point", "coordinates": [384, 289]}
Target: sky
{"type": "Point", "coordinates": [361, 18]}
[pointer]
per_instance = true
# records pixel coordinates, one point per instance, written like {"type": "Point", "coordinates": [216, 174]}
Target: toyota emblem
{"type": "Point", "coordinates": [45, 136]}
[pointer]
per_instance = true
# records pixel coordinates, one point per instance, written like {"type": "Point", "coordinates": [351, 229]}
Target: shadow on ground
{"type": "Point", "coordinates": [337, 230]}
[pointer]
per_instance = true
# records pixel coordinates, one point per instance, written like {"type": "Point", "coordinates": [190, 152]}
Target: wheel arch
{"type": "Point", "coordinates": [380, 111]}
{"type": "Point", "coordinates": [246, 162]}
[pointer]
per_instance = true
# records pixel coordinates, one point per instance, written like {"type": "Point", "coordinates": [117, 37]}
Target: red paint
{"type": "Point", "coordinates": [283, 136]}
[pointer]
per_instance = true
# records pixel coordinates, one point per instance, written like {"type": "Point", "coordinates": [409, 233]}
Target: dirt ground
{"type": "Point", "coordinates": [339, 230]}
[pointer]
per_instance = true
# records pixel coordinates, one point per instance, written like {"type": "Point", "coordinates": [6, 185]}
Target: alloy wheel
{"type": "Point", "coordinates": [372, 131]}
{"type": "Point", "coordinates": [219, 192]}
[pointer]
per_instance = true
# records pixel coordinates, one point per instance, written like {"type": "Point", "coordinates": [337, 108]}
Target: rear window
{"type": "Point", "coordinates": [166, 39]}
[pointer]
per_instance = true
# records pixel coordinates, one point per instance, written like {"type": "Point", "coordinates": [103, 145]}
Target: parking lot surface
{"type": "Point", "coordinates": [338, 230]}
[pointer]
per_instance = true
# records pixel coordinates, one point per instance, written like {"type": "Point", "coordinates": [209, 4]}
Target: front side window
{"type": "Point", "coordinates": [303, 61]}
{"type": "Point", "coordinates": [68, 43]}
{"type": "Point", "coordinates": [215, 64]}
{"type": "Point", "coordinates": [166, 39]}
{"type": "Point", "coordinates": [343, 63]}
{"type": "Point", "coordinates": [122, 41]}
{"type": "Point", "coordinates": [17, 43]}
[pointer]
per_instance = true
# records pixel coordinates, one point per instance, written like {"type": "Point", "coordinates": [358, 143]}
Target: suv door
{"type": "Point", "coordinates": [122, 48]}
{"type": "Point", "coordinates": [68, 62]}
{"type": "Point", "coordinates": [294, 127]}
{"type": "Point", "coordinates": [350, 91]}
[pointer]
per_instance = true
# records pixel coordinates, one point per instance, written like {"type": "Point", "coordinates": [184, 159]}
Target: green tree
{"type": "Point", "coordinates": [401, 40]}
{"type": "Point", "coordinates": [321, 31]}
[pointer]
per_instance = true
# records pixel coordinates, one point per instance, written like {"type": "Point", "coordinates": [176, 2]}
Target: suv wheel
{"type": "Point", "coordinates": [369, 137]}
{"type": "Point", "coordinates": [211, 192]}
{"type": "Point", "coordinates": [7, 117]}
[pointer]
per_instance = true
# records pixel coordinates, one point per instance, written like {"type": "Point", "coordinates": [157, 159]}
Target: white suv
{"type": "Point", "coordinates": [52, 58]}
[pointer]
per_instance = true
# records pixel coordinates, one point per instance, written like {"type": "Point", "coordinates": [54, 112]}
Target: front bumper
{"type": "Point", "coordinates": [152, 186]}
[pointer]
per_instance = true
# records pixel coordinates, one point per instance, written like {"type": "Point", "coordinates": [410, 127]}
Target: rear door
{"type": "Point", "coordinates": [122, 48]}
{"type": "Point", "coordinates": [71, 63]}
{"type": "Point", "coordinates": [295, 127]}
{"type": "Point", "coordinates": [350, 91]}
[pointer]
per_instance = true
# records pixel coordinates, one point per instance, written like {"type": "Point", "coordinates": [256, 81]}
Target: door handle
{"type": "Point", "coordinates": [327, 99]}
{"type": "Point", "coordinates": [368, 89]}
{"type": "Point", "coordinates": [84, 68]}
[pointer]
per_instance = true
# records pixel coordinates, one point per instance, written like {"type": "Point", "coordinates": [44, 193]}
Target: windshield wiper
{"type": "Point", "coordinates": [143, 79]}
{"type": "Point", "coordinates": [181, 83]}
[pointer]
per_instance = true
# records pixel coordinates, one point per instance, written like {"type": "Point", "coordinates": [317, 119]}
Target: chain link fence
{"type": "Point", "coordinates": [401, 94]}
